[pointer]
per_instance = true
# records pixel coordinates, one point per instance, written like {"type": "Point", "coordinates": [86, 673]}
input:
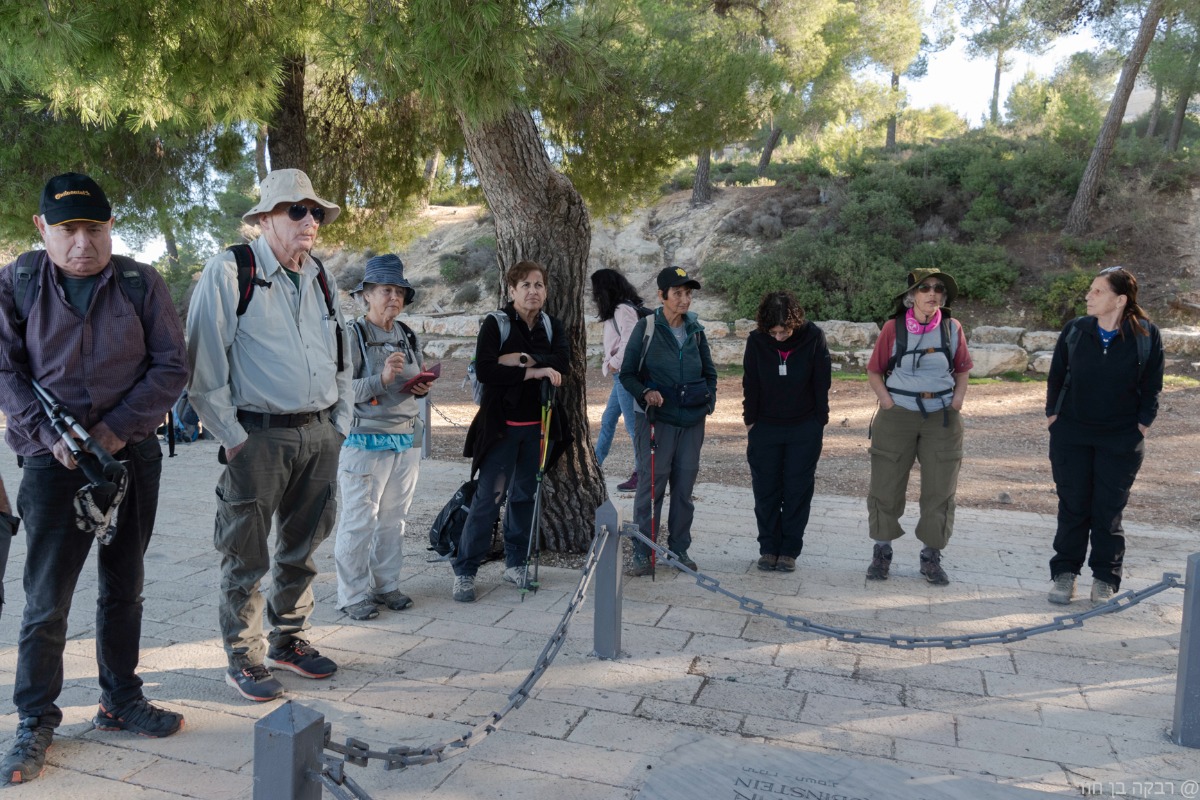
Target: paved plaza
{"type": "Point", "coordinates": [1070, 712]}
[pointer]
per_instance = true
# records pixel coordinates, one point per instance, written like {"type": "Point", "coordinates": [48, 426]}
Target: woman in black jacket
{"type": "Point", "coordinates": [785, 382]}
{"type": "Point", "coordinates": [1101, 398]}
{"type": "Point", "coordinates": [518, 347]}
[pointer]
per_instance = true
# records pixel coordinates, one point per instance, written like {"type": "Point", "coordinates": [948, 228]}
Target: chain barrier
{"type": "Point", "coordinates": [359, 753]}
{"type": "Point", "coordinates": [442, 414]}
{"type": "Point", "coordinates": [1170, 580]}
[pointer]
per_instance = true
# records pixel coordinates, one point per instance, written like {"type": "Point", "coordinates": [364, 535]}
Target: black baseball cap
{"type": "Point", "coordinates": [72, 197]}
{"type": "Point", "coordinates": [675, 276]}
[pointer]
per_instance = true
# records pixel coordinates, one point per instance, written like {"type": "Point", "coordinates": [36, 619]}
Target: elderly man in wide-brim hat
{"type": "Point", "coordinates": [919, 372]}
{"type": "Point", "coordinates": [377, 474]}
{"type": "Point", "coordinates": [271, 381]}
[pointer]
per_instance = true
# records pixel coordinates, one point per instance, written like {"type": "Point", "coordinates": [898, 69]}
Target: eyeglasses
{"type": "Point", "coordinates": [926, 288]}
{"type": "Point", "coordinates": [300, 211]}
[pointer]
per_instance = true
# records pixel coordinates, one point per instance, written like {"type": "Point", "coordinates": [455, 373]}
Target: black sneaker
{"type": "Point", "coordinates": [931, 567]}
{"type": "Point", "coordinates": [138, 716]}
{"type": "Point", "coordinates": [686, 560]}
{"type": "Point", "coordinates": [26, 759]}
{"type": "Point", "coordinates": [301, 658]}
{"type": "Point", "coordinates": [881, 562]}
{"type": "Point", "coordinates": [254, 682]}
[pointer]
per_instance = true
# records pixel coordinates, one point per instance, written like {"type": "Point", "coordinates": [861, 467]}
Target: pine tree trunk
{"type": "Point", "coordinates": [1155, 110]}
{"type": "Point", "coordinates": [431, 169]}
{"type": "Point", "coordinates": [260, 152]}
{"type": "Point", "coordinates": [288, 140]}
{"type": "Point", "coordinates": [702, 187]}
{"type": "Point", "coordinates": [995, 110]}
{"type": "Point", "coordinates": [890, 142]}
{"type": "Point", "coordinates": [540, 216]}
{"type": "Point", "coordinates": [1089, 184]}
{"type": "Point", "coordinates": [1185, 97]}
{"type": "Point", "coordinates": [764, 160]}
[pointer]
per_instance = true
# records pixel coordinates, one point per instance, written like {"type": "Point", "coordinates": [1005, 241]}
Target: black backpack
{"type": "Point", "coordinates": [448, 525]}
{"type": "Point", "coordinates": [247, 276]}
{"type": "Point", "coordinates": [129, 278]}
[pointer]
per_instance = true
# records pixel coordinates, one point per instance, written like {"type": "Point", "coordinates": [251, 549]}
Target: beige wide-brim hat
{"type": "Point", "coordinates": [287, 186]}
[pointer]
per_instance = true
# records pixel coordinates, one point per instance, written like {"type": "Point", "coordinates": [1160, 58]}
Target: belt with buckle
{"type": "Point", "coordinates": [258, 419]}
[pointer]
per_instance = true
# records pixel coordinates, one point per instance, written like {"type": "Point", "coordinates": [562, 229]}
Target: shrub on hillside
{"type": "Point", "coordinates": [1061, 297]}
{"type": "Point", "coordinates": [983, 272]}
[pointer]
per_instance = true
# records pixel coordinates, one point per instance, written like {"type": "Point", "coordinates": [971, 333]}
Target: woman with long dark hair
{"type": "Point", "coordinates": [618, 303]}
{"type": "Point", "coordinates": [1101, 398]}
{"type": "Point", "coordinates": [785, 405]}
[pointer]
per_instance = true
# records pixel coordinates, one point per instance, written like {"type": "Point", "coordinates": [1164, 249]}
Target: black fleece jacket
{"type": "Point", "coordinates": [1105, 393]}
{"type": "Point", "coordinates": [786, 399]}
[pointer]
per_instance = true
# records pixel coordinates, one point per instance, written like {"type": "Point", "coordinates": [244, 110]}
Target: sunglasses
{"type": "Point", "coordinates": [1113, 269]}
{"type": "Point", "coordinates": [300, 211]}
{"type": "Point", "coordinates": [926, 288]}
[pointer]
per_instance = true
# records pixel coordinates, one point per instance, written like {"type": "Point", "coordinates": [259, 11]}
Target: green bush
{"type": "Point", "coordinates": [1091, 251]}
{"type": "Point", "coordinates": [1061, 297]}
{"type": "Point", "coordinates": [983, 272]}
{"type": "Point", "coordinates": [987, 219]}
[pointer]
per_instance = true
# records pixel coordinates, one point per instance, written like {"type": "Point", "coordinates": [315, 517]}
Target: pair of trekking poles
{"type": "Point", "coordinates": [533, 551]}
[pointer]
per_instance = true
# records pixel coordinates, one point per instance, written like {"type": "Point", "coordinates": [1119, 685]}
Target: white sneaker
{"type": "Point", "coordinates": [1102, 591]}
{"type": "Point", "coordinates": [1063, 590]}
{"type": "Point", "coordinates": [517, 575]}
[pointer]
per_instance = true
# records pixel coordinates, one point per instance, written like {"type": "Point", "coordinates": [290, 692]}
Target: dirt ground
{"type": "Point", "coordinates": [1005, 463]}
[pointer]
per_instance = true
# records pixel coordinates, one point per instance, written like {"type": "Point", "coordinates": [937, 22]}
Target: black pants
{"type": "Point", "coordinates": [783, 468]}
{"type": "Point", "coordinates": [55, 554]}
{"type": "Point", "coordinates": [1093, 475]}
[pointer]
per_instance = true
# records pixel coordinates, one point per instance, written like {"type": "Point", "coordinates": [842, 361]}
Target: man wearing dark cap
{"type": "Point", "coordinates": [670, 372]}
{"type": "Point", "coordinates": [265, 348]}
{"type": "Point", "coordinates": [99, 332]}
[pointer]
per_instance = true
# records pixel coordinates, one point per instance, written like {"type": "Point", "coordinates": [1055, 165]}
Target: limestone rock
{"type": "Point", "coordinates": [839, 333]}
{"type": "Point", "coordinates": [990, 334]}
{"type": "Point", "coordinates": [742, 327]}
{"type": "Point", "coordinates": [1035, 341]}
{"type": "Point", "coordinates": [465, 326]}
{"type": "Point", "coordinates": [1039, 362]}
{"type": "Point", "coordinates": [994, 359]}
{"type": "Point", "coordinates": [1181, 341]}
{"type": "Point", "coordinates": [727, 351]}
{"type": "Point", "coordinates": [715, 328]}
{"type": "Point", "coordinates": [448, 348]}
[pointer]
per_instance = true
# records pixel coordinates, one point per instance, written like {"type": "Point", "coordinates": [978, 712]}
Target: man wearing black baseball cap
{"type": "Point", "coordinates": [99, 332]}
{"type": "Point", "coordinates": [670, 372]}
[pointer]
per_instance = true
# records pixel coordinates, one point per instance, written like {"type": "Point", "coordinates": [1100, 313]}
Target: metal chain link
{"type": "Point", "coordinates": [359, 753]}
{"type": "Point", "coordinates": [1121, 602]}
{"type": "Point", "coordinates": [442, 414]}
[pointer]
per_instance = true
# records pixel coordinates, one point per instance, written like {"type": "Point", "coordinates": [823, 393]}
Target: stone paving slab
{"type": "Point", "coordinates": [1060, 713]}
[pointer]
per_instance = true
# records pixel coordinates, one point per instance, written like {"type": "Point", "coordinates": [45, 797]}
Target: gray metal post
{"type": "Point", "coordinates": [425, 420]}
{"type": "Point", "coordinates": [1186, 730]}
{"type": "Point", "coordinates": [287, 747]}
{"type": "Point", "coordinates": [607, 585]}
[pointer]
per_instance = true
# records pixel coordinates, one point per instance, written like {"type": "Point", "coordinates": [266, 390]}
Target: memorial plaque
{"type": "Point", "coordinates": [722, 769]}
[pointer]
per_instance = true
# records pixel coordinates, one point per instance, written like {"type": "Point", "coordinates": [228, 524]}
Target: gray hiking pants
{"type": "Point", "coordinates": [676, 463]}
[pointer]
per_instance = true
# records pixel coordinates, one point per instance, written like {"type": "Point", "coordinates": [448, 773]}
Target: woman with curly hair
{"type": "Point", "coordinates": [785, 406]}
{"type": "Point", "coordinates": [618, 303]}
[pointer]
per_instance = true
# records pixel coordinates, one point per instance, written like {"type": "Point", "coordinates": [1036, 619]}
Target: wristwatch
{"type": "Point", "coordinates": [524, 359]}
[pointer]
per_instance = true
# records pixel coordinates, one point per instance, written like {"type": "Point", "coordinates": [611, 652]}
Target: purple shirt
{"type": "Point", "coordinates": [108, 365]}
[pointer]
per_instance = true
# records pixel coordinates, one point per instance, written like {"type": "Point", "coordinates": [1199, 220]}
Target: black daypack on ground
{"type": "Point", "coordinates": [448, 525]}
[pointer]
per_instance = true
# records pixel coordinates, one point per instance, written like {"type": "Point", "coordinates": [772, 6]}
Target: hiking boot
{"type": "Point", "coordinates": [767, 563]}
{"type": "Point", "coordinates": [464, 588]}
{"type": "Point", "coordinates": [629, 485]}
{"type": "Point", "coordinates": [686, 560]}
{"type": "Point", "coordinates": [640, 567]}
{"type": "Point", "coordinates": [363, 609]}
{"type": "Point", "coordinates": [1102, 591]}
{"type": "Point", "coordinates": [786, 564]}
{"type": "Point", "coordinates": [254, 682]}
{"type": "Point", "coordinates": [140, 717]}
{"type": "Point", "coordinates": [26, 758]}
{"type": "Point", "coordinates": [881, 562]}
{"type": "Point", "coordinates": [519, 576]}
{"type": "Point", "coordinates": [1063, 590]}
{"type": "Point", "coordinates": [395, 600]}
{"type": "Point", "coordinates": [931, 567]}
{"type": "Point", "coordinates": [301, 658]}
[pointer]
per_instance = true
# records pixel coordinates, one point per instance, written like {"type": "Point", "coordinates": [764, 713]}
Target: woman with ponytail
{"type": "Point", "coordinates": [1101, 398]}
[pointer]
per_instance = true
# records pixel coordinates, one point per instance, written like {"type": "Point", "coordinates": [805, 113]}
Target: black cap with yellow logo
{"type": "Point", "coordinates": [72, 197]}
{"type": "Point", "coordinates": [675, 276]}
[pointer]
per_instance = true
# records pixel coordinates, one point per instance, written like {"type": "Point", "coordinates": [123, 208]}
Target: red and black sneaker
{"type": "Point", "coordinates": [140, 717]}
{"type": "Point", "coordinates": [301, 658]}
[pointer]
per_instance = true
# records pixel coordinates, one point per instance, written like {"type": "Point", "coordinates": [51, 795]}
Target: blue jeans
{"type": "Point", "coordinates": [510, 466]}
{"type": "Point", "coordinates": [620, 404]}
{"type": "Point", "coordinates": [55, 555]}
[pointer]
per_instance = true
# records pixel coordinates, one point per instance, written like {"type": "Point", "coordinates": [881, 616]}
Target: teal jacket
{"type": "Point", "coordinates": [668, 365]}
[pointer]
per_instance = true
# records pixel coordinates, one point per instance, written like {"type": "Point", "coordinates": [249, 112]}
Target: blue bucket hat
{"type": "Point", "coordinates": [389, 269]}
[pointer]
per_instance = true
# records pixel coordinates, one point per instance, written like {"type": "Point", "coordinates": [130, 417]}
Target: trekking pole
{"type": "Point", "coordinates": [650, 414]}
{"type": "Point", "coordinates": [535, 526]}
{"type": "Point", "coordinates": [106, 470]}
